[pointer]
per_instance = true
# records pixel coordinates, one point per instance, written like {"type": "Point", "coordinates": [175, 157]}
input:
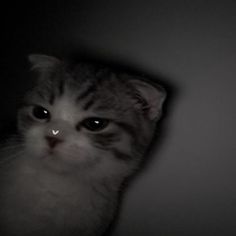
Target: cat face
{"type": "Point", "coordinates": [87, 117]}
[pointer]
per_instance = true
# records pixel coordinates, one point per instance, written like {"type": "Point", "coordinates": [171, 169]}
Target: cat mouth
{"type": "Point", "coordinates": [51, 152]}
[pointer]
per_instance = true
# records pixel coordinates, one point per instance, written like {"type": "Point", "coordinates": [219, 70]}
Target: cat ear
{"type": "Point", "coordinates": [149, 98]}
{"type": "Point", "coordinates": [42, 62]}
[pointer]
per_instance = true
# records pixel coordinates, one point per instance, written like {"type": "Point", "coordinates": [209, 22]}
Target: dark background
{"type": "Point", "coordinates": [188, 187]}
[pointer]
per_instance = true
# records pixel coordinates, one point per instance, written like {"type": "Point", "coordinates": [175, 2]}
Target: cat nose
{"type": "Point", "coordinates": [56, 132]}
{"type": "Point", "coordinates": [53, 141]}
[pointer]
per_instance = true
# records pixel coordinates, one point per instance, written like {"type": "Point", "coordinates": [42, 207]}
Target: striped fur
{"type": "Point", "coordinates": [83, 172]}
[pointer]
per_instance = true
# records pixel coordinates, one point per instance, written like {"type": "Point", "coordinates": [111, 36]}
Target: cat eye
{"type": "Point", "coordinates": [40, 113]}
{"type": "Point", "coordinates": [95, 124]}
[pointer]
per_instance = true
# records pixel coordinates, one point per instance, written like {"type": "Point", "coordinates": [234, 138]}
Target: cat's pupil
{"type": "Point", "coordinates": [40, 113]}
{"type": "Point", "coordinates": [95, 124]}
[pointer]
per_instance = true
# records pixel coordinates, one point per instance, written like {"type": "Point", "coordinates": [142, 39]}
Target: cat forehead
{"type": "Point", "coordinates": [71, 92]}
{"type": "Point", "coordinates": [78, 102]}
{"type": "Point", "coordinates": [65, 109]}
{"type": "Point", "coordinates": [85, 91]}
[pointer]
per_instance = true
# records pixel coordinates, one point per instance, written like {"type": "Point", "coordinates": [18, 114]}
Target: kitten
{"type": "Point", "coordinates": [82, 131]}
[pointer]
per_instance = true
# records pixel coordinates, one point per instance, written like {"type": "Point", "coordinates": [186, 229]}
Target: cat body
{"type": "Point", "coordinates": [81, 132]}
{"type": "Point", "coordinates": [39, 202]}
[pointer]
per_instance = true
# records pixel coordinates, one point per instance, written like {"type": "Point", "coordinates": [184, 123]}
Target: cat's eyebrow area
{"type": "Point", "coordinates": [44, 97]}
{"type": "Point", "coordinates": [58, 91]}
{"type": "Point", "coordinates": [86, 95]}
{"type": "Point", "coordinates": [87, 91]}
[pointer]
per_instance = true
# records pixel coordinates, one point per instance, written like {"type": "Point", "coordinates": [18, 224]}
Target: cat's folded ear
{"type": "Point", "coordinates": [42, 62]}
{"type": "Point", "coordinates": [149, 98]}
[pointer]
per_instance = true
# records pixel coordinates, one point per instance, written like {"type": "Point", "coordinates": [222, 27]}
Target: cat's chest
{"type": "Point", "coordinates": [41, 200]}
{"type": "Point", "coordinates": [39, 192]}
{"type": "Point", "coordinates": [47, 186]}
{"type": "Point", "coordinates": [37, 200]}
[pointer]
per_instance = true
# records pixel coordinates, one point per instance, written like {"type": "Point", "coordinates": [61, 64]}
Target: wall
{"type": "Point", "coordinates": [188, 187]}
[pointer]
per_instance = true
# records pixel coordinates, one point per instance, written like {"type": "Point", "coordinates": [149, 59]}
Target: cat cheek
{"type": "Point", "coordinates": [34, 140]}
{"type": "Point", "coordinates": [81, 150]}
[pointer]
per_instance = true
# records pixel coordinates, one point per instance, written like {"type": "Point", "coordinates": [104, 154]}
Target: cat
{"type": "Point", "coordinates": [82, 130]}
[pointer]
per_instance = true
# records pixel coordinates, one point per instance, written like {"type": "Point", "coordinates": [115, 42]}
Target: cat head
{"type": "Point", "coordinates": [87, 116]}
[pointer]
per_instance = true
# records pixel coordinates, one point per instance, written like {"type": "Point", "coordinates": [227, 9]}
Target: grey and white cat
{"type": "Point", "coordinates": [82, 131]}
